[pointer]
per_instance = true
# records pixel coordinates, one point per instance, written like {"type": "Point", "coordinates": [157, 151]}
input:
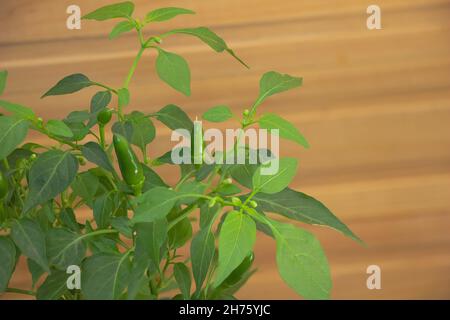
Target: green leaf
{"type": "Point", "coordinates": [272, 83]}
{"type": "Point", "coordinates": [208, 37]}
{"type": "Point", "coordinates": [175, 118]}
{"type": "Point", "coordinates": [77, 117]}
{"type": "Point", "coordinates": [85, 186]}
{"type": "Point", "coordinates": [124, 97]}
{"type": "Point", "coordinates": [299, 206]}
{"type": "Point", "coordinates": [118, 10]}
{"type": "Point", "coordinates": [228, 189]}
{"type": "Point", "coordinates": [174, 70]}
{"type": "Point", "coordinates": [12, 133]}
{"type": "Point", "coordinates": [3, 78]}
{"type": "Point", "coordinates": [59, 128]}
{"type": "Point", "coordinates": [150, 237]}
{"type": "Point", "coordinates": [100, 101]}
{"type": "Point", "coordinates": [288, 131]}
{"type": "Point", "coordinates": [243, 174]}
{"type": "Point", "coordinates": [103, 208]}
{"type": "Point", "coordinates": [154, 204]}
{"type": "Point", "coordinates": [124, 128]}
{"type": "Point", "coordinates": [236, 239]}
{"type": "Point", "coordinates": [164, 14]}
{"type": "Point", "coordinates": [35, 270]}
{"type": "Point", "coordinates": [122, 224]}
{"type": "Point", "coordinates": [50, 174]}
{"type": "Point", "coordinates": [301, 261]}
{"type": "Point", "coordinates": [183, 278]}
{"type": "Point", "coordinates": [29, 237]}
{"type": "Point", "coordinates": [278, 181]}
{"type": "Point", "coordinates": [202, 254]}
{"type": "Point", "coordinates": [95, 154]}
{"type": "Point", "coordinates": [120, 28]}
{"type": "Point", "coordinates": [18, 110]}
{"type": "Point", "coordinates": [68, 219]}
{"type": "Point", "coordinates": [149, 240]}
{"type": "Point", "coordinates": [105, 276]}
{"type": "Point", "coordinates": [180, 233]}
{"type": "Point", "coordinates": [69, 84]}
{"type": "Point", "coordinates": [54, 286]}
{"type": "Point", "coordinates": [79, 130]}
{"type": "Point", "coordinates": [152, 179]}
{"type": "Point", "coordinates": [191, 187]}
{"type": "Point", "coordinates": [8, 261]}
{"type": "Point", "coordinates": [218, 114]}
{"type": "Point", "coordinates": [143, 130]}
{"type": "Point", "coordinates": [207, 214]}
{"type": "Point", "coordinates": [65, 248]}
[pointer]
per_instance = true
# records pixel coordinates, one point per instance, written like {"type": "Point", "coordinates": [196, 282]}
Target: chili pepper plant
{"type": "Point", "coordinates": [129, 248]}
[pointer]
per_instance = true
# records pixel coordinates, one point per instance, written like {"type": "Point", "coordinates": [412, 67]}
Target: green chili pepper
{"type": "Point", "coordinates": [3, 186]}
{"type": "Point", "coordinates": [104, 116]}
{"type": "Point", "coordinates": [129, 164]}
{"type": "Point", "coordinates": [237, 273]}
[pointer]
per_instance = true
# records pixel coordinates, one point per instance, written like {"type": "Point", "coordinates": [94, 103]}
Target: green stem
{"type": "Point", "coordinates": [104, 86]}
{"type": "Point", "coordinates": [96, 233]}
{"type": "Point", "coordinates": [133, 67]}
{"type": "Point", "coordinates": [21, 291]}
{"type": "Point", "coordinates": [101, 129]}
{"type": "Point", "coordinates": [6, 163]}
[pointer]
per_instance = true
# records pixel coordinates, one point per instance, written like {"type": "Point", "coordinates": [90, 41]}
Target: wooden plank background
{"type": "Point", "coordinates": [375, 107]}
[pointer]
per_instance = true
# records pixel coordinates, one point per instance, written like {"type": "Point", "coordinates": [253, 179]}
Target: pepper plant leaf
{"type": "Point", "coordinates": [236, 239]}
{"type": "Point", "coordinates": [12, 133]}
{"type": "Point", "coordinates": [51, 173]}
{"type": "Point", "coordinates": [69, 84]}
{"type": "Point", "coordinates": [117, 10]}
{"type": "Point", "coordinates": [174, 70]}
{"type": "Point", "coordinates": [164, 14]}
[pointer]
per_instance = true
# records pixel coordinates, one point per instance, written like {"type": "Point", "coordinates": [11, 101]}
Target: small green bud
{"type": "Point", "coordinates": [246, 113]}
{"type": "Point", "coordinates": [253, 204]}
{"type": "Point", "coordinates": [33, 157]}
{"type": "Point", "coordinates": [157, 39]}
{"type": "Point", "coordinates": [228, 181]}
{"type": "Point", "coordinates": [212, 202]}
{"type": "Point", "coordinates": [236, 201]}
{"type": "Point", "coordinates": [40, 122]}
{"type": "Point", "coordinates": [81, 160]}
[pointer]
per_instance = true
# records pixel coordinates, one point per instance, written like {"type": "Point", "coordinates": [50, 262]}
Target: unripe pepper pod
{"type": "Point", "coordinates": [104, 116]}
{"type": "Point", "coordinates": [129, 164]}
{"type": "Point", "coordinates": [4, 188]}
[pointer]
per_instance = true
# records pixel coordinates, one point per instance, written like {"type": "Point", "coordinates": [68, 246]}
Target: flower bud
{"type": "Point", "coordinates": [236, 201]}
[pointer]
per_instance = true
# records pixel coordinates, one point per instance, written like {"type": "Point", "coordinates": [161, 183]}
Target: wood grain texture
{"type": "Point", "coordinates": [375, 107]}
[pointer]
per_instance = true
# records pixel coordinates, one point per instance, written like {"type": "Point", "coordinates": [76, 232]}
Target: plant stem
{"type": "Point", "coordinates": [105, 86]}
{"type": "Point", "coordinates": [101, 129]}
{"type": "Point", "coordinates": [133, 67]}
{"type": "Point", "coordinates": [6, 163]}
{"type": "Point", "coordinates": [21, 291]}
{"type": "Point", "coordinates": [96, 233]}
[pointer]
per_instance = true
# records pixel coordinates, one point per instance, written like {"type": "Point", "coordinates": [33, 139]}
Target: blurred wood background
{"type": "Point", "coordinates": [375, 107]}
